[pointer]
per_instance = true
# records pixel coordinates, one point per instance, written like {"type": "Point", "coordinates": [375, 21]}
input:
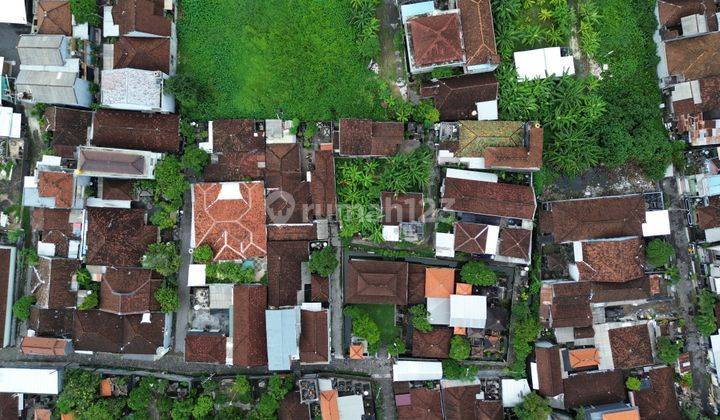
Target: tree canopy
{"type": "Point", "coordinates": [478, 274]}
{"type": "Point", "coordinates": [533, 407]}
{"type": "Point", "coordinates": [162, 257]}
{"type": "Point", "coordinates": [323, 262]}
{"type": "Point", "coordinates": [658, 252]}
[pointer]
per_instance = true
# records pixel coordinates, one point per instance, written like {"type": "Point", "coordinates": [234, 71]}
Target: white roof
{"type": "Point", "coordinates": [415, 9]}
{"type": "Point", "coordinates": [30, 381]}
{"type": "Point", "coordinates": [391, 233]}
{"type": "Point", "coordinates": [468, 311]}
{"type": "Point", "coordinates": [9, 123]}
{"type": "Point", "coordinates": [135, 90]}
{"type": "Point", "coordinates": [13, 11]}
{"type": "Point", "coordinates": [471, 175]}
{"type": "Point", "coordinates": [657, 223]}
{"type": "Point", "coordinates": [715, 350]}
{"type": "Point", "coordinates": [351, 407]}
{"type": "Point", "coordinates": [712, 235]}
{"type": "Point", "coordinates": [438, 310]}
{"type": "Point", "coordinates": [444, 245]}
{"type": "Point", "coordinates": [491, 240]}
{"type": "Point", "coordinates": [487, 110]}
{"type": "Point", "coordinates": [196, 275]}
{"type": "Point", "coordinates": [513, 391]}
{"type": "Point", "coordinates": [542, 63]}
{"type": "Point", "coordinates": [411, 370]}
{"type": "Point", "coordinates": [109, 26]}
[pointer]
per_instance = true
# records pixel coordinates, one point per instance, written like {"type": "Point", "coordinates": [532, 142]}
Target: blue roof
{"type": "Point", "coordinates": [409, 10]}
{"type": "Point", "coordinates": [712, 184]}
{"type": "Point", "coordinates": [282, 327]}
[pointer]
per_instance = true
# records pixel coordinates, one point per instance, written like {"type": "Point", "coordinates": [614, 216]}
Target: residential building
{"type": "Point", "coordinates": [8, 257]}
{"type": "Point", "coordinates": [151, 54]}
{"type": "Point", "coordinates": [40, 346]}
{"type": "Point", "coordinates": [105, 162]}
{"type": "Point", "coordinates": [54, 17]}
{"type": "Point", "coordinates": [236, 148]}
{"type": "Point", "coordinates": [249, 342]}
{"type": "Point", "coordinates": [376, 282]}
{"type": "Point", "coordinates": [201, 347]}
{"type": "Point", "coordinates": [314, 334]}
{"type": "Point", "coordinates": [69, 128]}
{"type": "Point", "coordinates": [117, 237]}
{"type": "Point", "coordinates": [10, 123]}
{"type": "Point", "coordinates": [370, 138]}
{"type": "Point", "coordinates": [98, 331]}
{"type": "Point", "coordinates": [136, 131]}
{"type": "Point", "coordinates": [135, 90]}
{"type": "Point", "coordinates": [139, 18]}
{"type": "Point", "coordinates": [403, 216]}
{"type": "Point", "coordinates": [283, 336]}
{"type": "Point", "coordinates": [465, 97]}
{"type": "Point", "coordinates": [30, 381]}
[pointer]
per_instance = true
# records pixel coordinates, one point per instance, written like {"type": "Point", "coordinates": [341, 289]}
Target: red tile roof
{"type": "Point", "coordinates": [118, 189]}
{"type": "Point", "coordinates": [659, 401]}
{"type": "Point", "coordinates": [425, 405]}
{"type": "Point", "coordinates": [456, 97]}
{"type": "Point", "coordinates": [249, 342]}
{"type": "Point", "coordinates": [205, 347]}
{"type": "Point", "coordinates": [51, 322]}
{"type": "Point", "coordinates": [234, 228]}
{"type": "Point", "coordinates": [292, 232]}
{"type": "Point", "coordinates": [549, 370]}
{"type": "Point", "coordinates": [42, 346]}
{"type": "Point", "coordinates": [515, 243]}
{"type": "Point", "coordinates": [631, 346]}
{"type": "Point", "coordinates": [142, 53]}
{"type": "Point", "coordinates": [69, 128]}
{"type": "Point", "coordinates": [51, 281]}
{"type": "Point", "coordinates": [239, 150]}
{"type": "Point", "coordinates": [489, 198]}
{"type": "Point", "coordinates": [117, 236]}
{"type": "Point", "coordinates": [53, 17]}
{"type": "Point", "coordinates": [146, 16]}
{"type": "Point", "coordinates": [5, 261]}
{"type": "Point", "coordinates": [595, 388]}
{"type": "Point", "coordinates": [459, 402]}
{"type": "Point", "coordinates": [292, 409]}
{"type": "Point", "coordinates": [565, 305]}
{"type": "Point", "coordinates": [612, 261]}
{"type": "Point", "coordinates": [694, 57]}
{"type": "Point", "coordinates": [136, 130]}
{"type": "Point", "coordinates": [9, 406]}
{"type": "Point", "coordinates": [435, 39]}
{"type": "Point", "coordinates": [376, 282]}
{"type": "Point", "coordinates": [672, 11]}
{"type": "Point", "coordinates": [478, 32]}
{"type": "Point", "coordinates": [370, 138]}
{"type": "Point", "coordinates": [105, 332]}
{"type": "Point", "coordinates": [314, 337]}
{"type": "Point", "coordinates": [284, 261]}
{"type": "Point", "coordinates": [488, 410]}
{"type": "Point", "coordinates": [322, 184]}
{"type": "Point", "coordinates": [320, 289]}
{"type": "Point", "coordinates": [399, 208]}
{"type": "Point", "coordinates": [708, 216]}
{"type": "Point", "coordinates": [126, 291]}
{"type": "Point", "coordinates": [470, 237]}
{"type": "Point", "coordinates": [521, 157]}
{"type": "Point", "coordinates": [59, 185]}
{"type": "Point", "coordinates": [416, 284]}
{"type": "Point", "coordinates": [434, 344]}
{"type": "Point", "coordinates": [53, 226]}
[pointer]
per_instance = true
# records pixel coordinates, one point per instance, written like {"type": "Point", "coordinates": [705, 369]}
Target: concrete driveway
{"type": "Point", "coordinates": [8, 43]}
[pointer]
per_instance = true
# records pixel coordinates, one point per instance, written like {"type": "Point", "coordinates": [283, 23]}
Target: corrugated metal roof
{"type": "Point", "coordinates": [282, 328]}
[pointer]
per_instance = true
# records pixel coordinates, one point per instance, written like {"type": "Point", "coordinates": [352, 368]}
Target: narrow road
{"type": "Point", "coordinates": [181, 316]}
{"type": "Point", "coordinates": [685, 291]}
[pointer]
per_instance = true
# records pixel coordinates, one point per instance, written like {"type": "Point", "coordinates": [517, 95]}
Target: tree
{"type": "Point", "coordinates": [203, 407]}
{"type": "Point", "coordinates": [195, 159]}
{"type": "Point", "coordinates": [266, 408]}
{"type": "Point", "coordinates": [363, 326]}
{"type": "Point", "coordinates": [85, 11]}
{"type": "Point", "coordinates": [279, 386]}
{"type": "Point", "coordinates": [30, 257]}
{"type": "Point", "coordinates": [169, 180]}
{"type": "Point", "coordinates": [459, 348]}
{"type": "Point", "coordinates": [146, 390]}
{"type": "Point", "coordinates": [188, 91]}
{"type": "Point", "coordinates": [107, 408]}
{"type": "Point", "coordinates": [164, 215]}
{"type": "Point", "coordinates": [168, 299]}
{"type": "Point", "coordinates": [397, 347]}
{"type": "Point", "coordinates": [203, 254]}
{"type": "Point", "coordinates": [658, 252]}
{"type": "Point", "coordinates": [162, 257]}
{"type": "Point", "coordinates": [454, 370]}
{"type": "Point", "coordinates": [84, 279]}
{"type": "Point", "coordinates": [242, 388]}
{"type": "Point", "coordinates": [420, 318]}
{"type": "Point", "coordinates": [80, 388]}
{"type": "Point", "coordinates": [21, 308]}
{"type": "Point", "coordinates": [632, 383]}
{"type": "Point", "coordinates": [323, 262]}
{"type": "Point", "coordinates": [533, 407]}
{"type": "Point", "coordinates": [704, 319]}
{"type": "Point", "coordinates": [91, 301]}
{"type": "Point", "coordinates": [668, 350]}
{"type": "Point", "coordinates": [478, 274]}
{"type": "Point", "coordinates": [183, 409]}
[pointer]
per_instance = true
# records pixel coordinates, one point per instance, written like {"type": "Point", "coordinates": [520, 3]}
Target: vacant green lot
{"type": "Point", "coordinates": [384, 317]}
{"type": "Point", "coordinates": [255, 57]}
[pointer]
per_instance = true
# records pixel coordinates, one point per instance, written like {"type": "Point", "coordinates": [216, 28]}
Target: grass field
{"type": "Point", "coordinates": [384, 316]}
{"type": "Point", "coordinates": [255, 57]}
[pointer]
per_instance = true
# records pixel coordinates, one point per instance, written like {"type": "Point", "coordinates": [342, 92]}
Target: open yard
{"type": "Point", "coordinates": [384, 317]}
{"type": "Point", "coordinates": [252, 58]}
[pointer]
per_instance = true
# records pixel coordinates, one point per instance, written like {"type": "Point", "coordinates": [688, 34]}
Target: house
{"type": "Point", "coordinates": [52, 283]}
{"type": "Point", "coordinates": [117, 237]}
{"type": "Point", "coordinates": [465, 402]}
{"type": "Point", "coordinates": [151, 54]}
{"type": "Point", "coordinates": [128, 291]}
{"type": "Point", "coordinates": [230, 217]}
{"type": "Point", "coordinates": [30, 381]}
{"type": "Point", "coordinates": [284, 271]}
{"type": "Point", "coordinates": [370, 138]}
{"type": "Point", "coordinates": [10, 123]}
{"type": "Point", "coordinates": [502, 145]}
{"type": "Point", "coordinates": [542, 63]}
{"type": "Point", "coordinates": [54, 17]}
{"type": "Point", "coordinates": [617, 260]}
{"type": "Point", "coordinates": [314, 336]}
{"type": "Point", "coordinates": [138, 18]}
{"type": "Point", "coordinates": [51, 322]}
{"type": "Point", "coordinates": [630, 346]}
{"type": "Point", "coordinates": [616, 410]}
{"type": "Point", "coordinates": [98, 331]}
{"type": "Point", "coordinates": [376, 282]}
{"type": "Point", "coordinates": [136, 131]}
{"type": "Point", "coordinates": [465, 97]}
{"type": "Point", "coordinates": [693, 103]}
{"type": "Point", "coordinates": [282, 328]}
{"type": "Point", "coordinates": [424, 404]}
{"type": "Point", "coordinates": [249, 342]}
{"type": "Point", "coordinates": [671, 14]}
{"type": "Point", "coordinates": [69, 128]}
{"type": "Point", "coordinates": [322, 184]}
{"type": "Point", "coordinates": [41, 346]}
{"type": "Point", "coordinates": [594, 388]}
{"type": "Point", "coordinates": [14, 12]}
{"type": "Point", "coordinates": [203, 347]}
{"type": "Point", "coordinates": [433, 345]}
{"type": "Point", "coordinates": [135, 90]}
{"type": "Point", "coordinates": [289, 198]}
{"type": "Point", "coordinates": [105, 162]}
{"type": "Point", "coordinates": [236, 148]}
{"type": "Point", "coordinates": [658, 400]}
{"type": "Point", "coordinates": [691, 58]}
{"type": "Point", "coordinates": [51, 187]}
{"type": "Point", "coordinates": [546, 372]}
{"type": "Point", "coordinates": [8, 256]}
{"type": "Point", "coordinates": [403, 216]}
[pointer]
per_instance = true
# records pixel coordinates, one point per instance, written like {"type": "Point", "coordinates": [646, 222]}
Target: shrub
{"type": "Point", "coordinates": [188, 91]}
{"type": "Point", "coordinates": [80, 388]}
{"type": "Point", "coordinates": [459, 348]}
{"type": "Point", "coordinates": [454, 370]}
{"type": "Point", "coordinates": [533, 407]}
{"type": "Point", "coordinates": [658, 252]}
{"type": "Point", "coordinates": [632, 383]}
{"type": "Point", "coordinates": [364, 326]}
{"type": "Point", "coordinates": [669, 351]}
{"type": "Point", "coordinates": [21, 308]}
{"type": "Point", "coordinates": [85, 11]}
{"type": "Point", "coordinates": [279, 386]}
{"type": "Point", "coordinates": [397, 347]}
{"type": "Point", "coordinates": [84, 279]}
{"type": "Point", "coordinates": [323, 262]}
{"type": "Point", "coordinates": [146, 390]}
{"type": "Point", "coordinates": [164, 215]}
{"type": "Point", "coordinates": [478, 274]}
{"type": "Point", "coordinates": [169, 180]}
{"type": "Point", "coordinates": [14, 236]}
{"type": "Point", "coordinates": [203, 254]}
{"type": "Point", "coordinates": [91, 301]}
{"type": "Point", "coordinates": [704, 319]}
{"type": "Point", "coordinates": [162, 257]}
{"type": "Point", "coordinates": [229, 272]}
{"type": "Point", "coordinates": [203, 407]}
{"type": "Point", "coordinates": [168, 299]}
{"type": "Point", "coordinates": [241, 387]}
{"type": "Point", "coordinates": [420, 318]}
{"type": "Point", "coordinates": [195, 159]}
{"type": "Point", "coordinates": [30, 257]}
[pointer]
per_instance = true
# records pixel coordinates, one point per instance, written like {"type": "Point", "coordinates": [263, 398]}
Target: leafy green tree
{"type": "Point", "coordinates": [164, 215]}
{"type": "Point", "coordinates": [266, 408]}
{"type": "Point", "coordinates": [459, 348]}
{"type": "Point", "coordinates": [668, 350]}
{"type": "Point", "coordinates": [183, 409]}
{"type": "Point", "coordinates": [397, 347]}
{"type": "Point", "coordinates": [21, 308]}
{"type": "Point", "coordinates": [80, 388]}
{"type": "Point", "coordinates": [658, 252]}
{"type": "Point", "coordinates": [363, 326]}
{"type": "Point", "coordinates": [704, 319]}
{"type": "Point", "coordinates": [242, 389]}
{"type": "Point", "coordinates": [279, 386]}
{"type": "Point", "coordinates": [30, 257]}
{"type": "Point", "coordinates": [169, 179]}
{"type": "Point", "coordinates": [91, 301]}
{"type": "Point", "coordinates": [106, 408]}
{"type": "Point", "coordinates": [323, 262]}
{"type": "Point", "coordinates": [229, 272]}
{"type": "Point", "coordinates": [84, 279]}
{"type": "Point", "coordinates": [203, 254]}
{"type": "Point", "coordinates": [203, 407]}
{"type": "Point", "coordinates": [188, 91]}
{"type": "Point", "coordinates": [162, 257]}
{"type": "Point", "coordinates": [195, 159]}
{"type": "Point", "coordinates": [85, 11]}
{"type": "Point", "coordinates": [14, 235]}
{"type": "Point", "coordinates": [146, 390]}
{"type": "Point", "coordinates": [420, 318]}
{"type": "Point", "coordinates": [632, 383]}
{"type": "Point", "coordinates": [478, 274]}
{"type": "Point", "coordinates": [168, 299]}
{"type": "Point", "coordinates": [455, 370]}
{"type": "Point", "coordinates": [533, 407]}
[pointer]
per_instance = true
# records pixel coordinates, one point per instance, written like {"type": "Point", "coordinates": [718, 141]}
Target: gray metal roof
{"type": "Point", "coordinates": [48, 86]}
{"type": "Point", "coordinates": [41, 50]}
{"type": "Point", "coordinates": [282, 328]}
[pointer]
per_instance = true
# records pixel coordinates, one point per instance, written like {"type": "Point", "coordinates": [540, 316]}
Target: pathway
{"type": "Point", "coordinates": [181, 316]}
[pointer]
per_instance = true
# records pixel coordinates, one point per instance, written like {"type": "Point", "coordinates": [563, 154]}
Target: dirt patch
{"type": "Point", "coordinates": [600, 181]}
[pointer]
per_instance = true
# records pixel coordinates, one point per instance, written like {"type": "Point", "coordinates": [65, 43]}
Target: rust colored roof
{"type": "Point", "coordinates": [249, 343]}
{"type": "Point", "coordinates": [5, 261]}
{"type": "Point", "coordinates": [329, 405]}
{"type": "Point", "coordinates": [356, 352]}
{"type": "Point", "coordinates": [455, 97]}
{"type": "Point", "coordinates": [489, 198]}
{"type": "Point", "coordinates": [565, 305]}
{"type": "Point", "coordinates": [292, 409]}
{"type": "Point", "coordinates": [281, 159]}
{"type": "Point", "coordinates": [463, 289]}
{"type": "Point", "coordinates": [234, 228]}
{"type": "Point", "coordinates": [59, 185]}
{"type": "Point", "coordinates": [370, 138]}
{"type": "Point", "coordinates": [549, 368]}
{"type": "Point", "coordinates": [105, 332]}
{"type": "Point", "coordinates": [612, 261]}
{"type": "Point", "coordinates": [376, 282]}
{"type": "Point", "coordinates": [488, 410]}
{"type": "Point", "coordinates": [41, 414]}
{"type": "Point", "coordinates": [146, 16]}
{"type": "Point", "coordinates": [672, 11]}
{"type": "Point", "coordinates": [292, 232]}
{"type": "Point", "coordinates": [425, 405]}
{"type": "Point", "coordinates": [117, 236]}
{"type": "Point", "coordinates": [284, 259]}
{"type": "Point", "coordinates": [105, 388]}
{"type": "Point", "coordinates": [615, 292]}
{"type": "Point", "coordinates": [416, 284]}
{"type": "Point", "coordinates": [435, 39]}
{"type": "Point", "coordinates": [593, 218]}
{"type": "Point", "coordinates": [118, 189]}
{"type": "Point", "coordinates": [9, 406]}
{"type": "Point", "coordinates": [631, 413]}
{"type": "Point", "coordinates": [708, 216]}
{"type": "Point", "coordinates": [51, 322]}
{"type": "Point", "coordinates": [470, 237]}
{"type": "Point", "coordinates": [459, 402]}
{"type": "Point", "coordinates": [515, 243]}
{"type": "Point", "coordinates": [125, 291]}
{"type": "Point", "coordinates": [522, 157]}
{"type": "Point", "coordinates": [439, 282]}
{"type": "Point", "coordinates": [42, 346]}
{"type": "Point", "coordinates": [69, 128]}
{"type": "Point", "coordinates": [582, 358]}
{"type": "Point", "coordinates": [205, 348]}
{"type": "Point", "coordinates": [314, 337]}
{"type": "Point", "coordinates": [53, 17]}
{"type": "Point", "coordinates": [631, 346]}
{"type": "Point", "coordinates": [53, 226]}
{"type": "Point", "coordinates": [459, 331]}
{"type": "Point", "coordinates": [694, 57]}
{"type": "Point", "coordinates": [51, 281]}
{"type": "Point", "coordinates": [478, 32]}
{"type": "Point", "coordinates": [583, 332]}
{"type": "Point", "coordinates": [594, 388]}
{"type": "Point", "coordinates": [322, 184]}
{"type": "Point", "coordinates": [320, 289]}
{"type": "Point", "coordinates": [142, 53]}
{"type": "Point", "coordinates": [238, 148]}
{"type": "Point", "coordinates": [398, 208]}
{"type": "Point", "coordinates": [434, 344]}
{"type": "Point", "coordinates": [136, 130]}
{"type": "Point", "coordinates": [659, 401]}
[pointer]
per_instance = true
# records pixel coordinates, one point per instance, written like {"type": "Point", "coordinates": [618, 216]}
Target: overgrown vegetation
{"type": "Point", "coordinates": [229, 272]}
{"type": "Point", "coordinates": [478, 274]}
{"type": "Point", "coordinates": [203, 254]}
{"type": "Point", "coordinates": [459, 348]}
{"type": "Point", "coordinates": [364, 327]}
{"type": "Point", "coordinates": [454, 370]}
{"type": "Point", "coordinates": [633, 384]}
{"type": "Point", "coordinates": [323, 262]}
{"type": "Point", "coordinates": [658, 253]}
{"type": "Point", "coordinates": [29, 257]}
{"type": "Point", "coordinates": [669, 350]}
{"type": "Point", "coordinates": [162, 257]}
{"type": "Point", "coordinates": [85, 11]}
{"type": "Point", "coordinates": [420, 318]}
{"type": "Point", "coordinates": [21, 307]}
{"type": "Point", "coordinates": [167, 190]}
{"type": "Point", "coordinates": [168, 299]}
{"type": "Point", "coordinates": [91, 301]}
{"type": "Point", "coordinates": [704, 319]}
{"type": "Point", "coordinates": [533, 407]}
{"type": "Point", "coordinates": [525, 329]}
